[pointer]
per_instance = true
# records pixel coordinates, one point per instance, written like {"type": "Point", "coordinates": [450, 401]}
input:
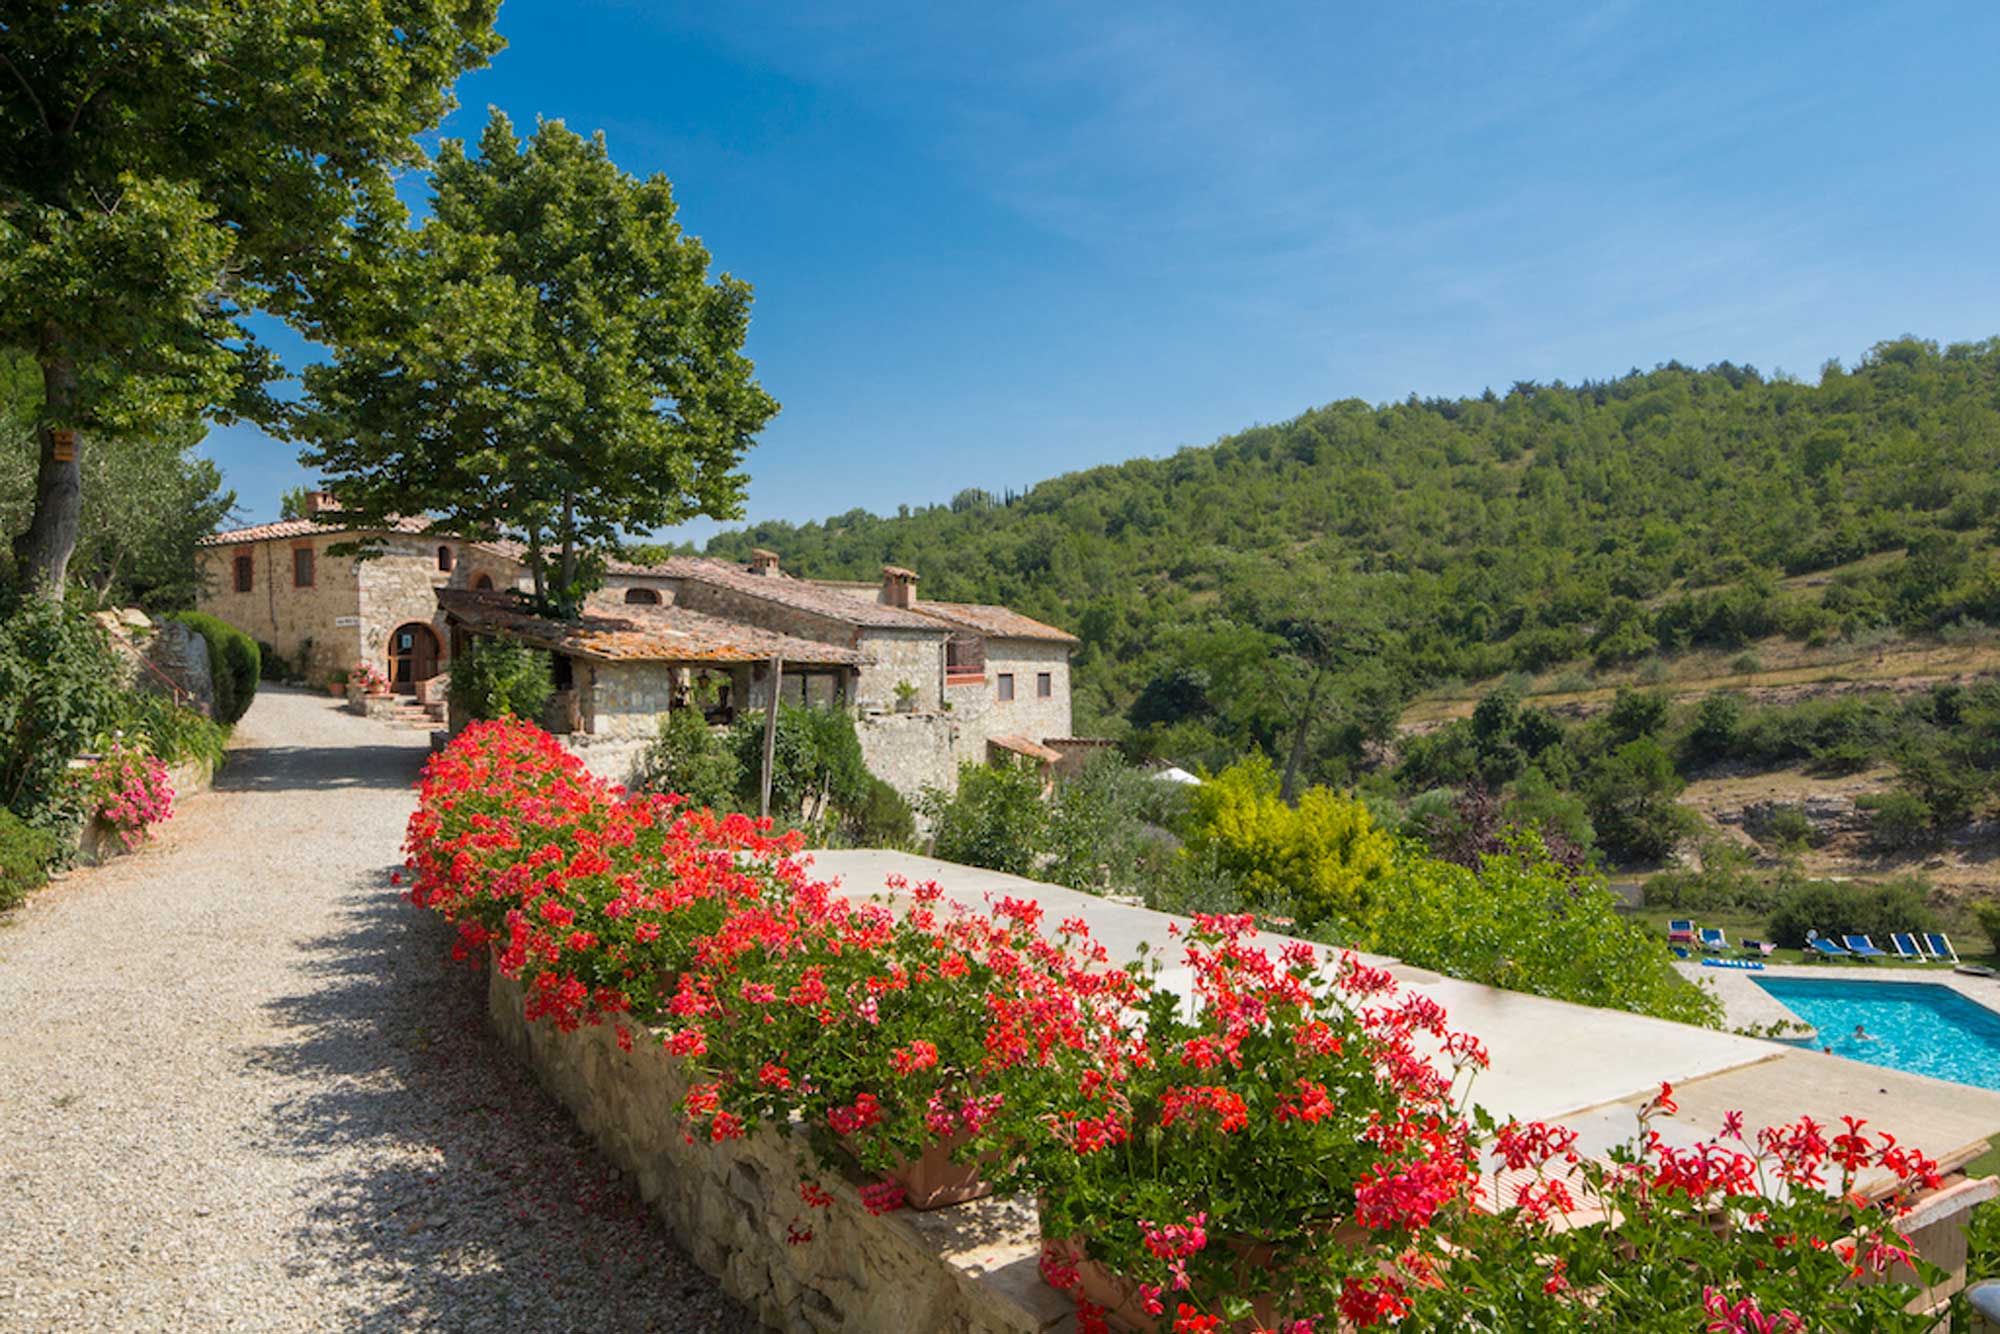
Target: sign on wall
{"type": "Point", "coordinates": [344, 622]}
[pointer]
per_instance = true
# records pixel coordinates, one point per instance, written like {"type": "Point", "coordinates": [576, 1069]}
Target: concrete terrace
{"type": "Point", "coordinates": [1591, 1069]}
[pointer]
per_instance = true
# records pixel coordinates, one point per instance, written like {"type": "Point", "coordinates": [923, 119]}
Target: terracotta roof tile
{"type": "Point", "coordinates": [632, 633]}
{"type": "Point", "coordinates": [1020, 745]}
{"type": "Point", "coordinates": [784, 589]}
{"type": "Point", "coordinates": [993, 622]}
{"type": "Point", "coordinates": [262, 532]}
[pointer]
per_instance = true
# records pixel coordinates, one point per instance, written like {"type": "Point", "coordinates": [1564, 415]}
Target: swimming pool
{"type": "Point", "coordinates": [1920, 1027]}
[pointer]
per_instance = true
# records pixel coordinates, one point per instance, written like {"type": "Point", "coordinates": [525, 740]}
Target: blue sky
{"type": "Point", "coordinates": [993, 244]}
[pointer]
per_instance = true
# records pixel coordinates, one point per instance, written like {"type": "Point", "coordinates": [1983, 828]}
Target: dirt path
{"type": "Point", "coordinates": [240, 1088]}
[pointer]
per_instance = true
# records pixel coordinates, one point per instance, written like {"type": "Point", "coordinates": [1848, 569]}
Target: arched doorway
{"type": "Point", "coordinates": [413, 656]}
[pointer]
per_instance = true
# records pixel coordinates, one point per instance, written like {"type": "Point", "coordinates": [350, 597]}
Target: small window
{"type": "Point", "coordinates": [644, 597]}
{"type": "Point", "coordinates": [1006, 686]}
{"type": "Point", "coordinates": [1045, 685]}
{"type": "Point", "coordinates": [245, 573]}
{"type": "Point", "coordinates": [444, 559]}
{"type": "Point", "coordinates": [484, 582]}
{"type": "Point", "coordinates": [302, 567]}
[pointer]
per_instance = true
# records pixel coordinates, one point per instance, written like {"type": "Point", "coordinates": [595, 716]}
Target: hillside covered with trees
{"type": "Point", "coordinates": [1293, 588]}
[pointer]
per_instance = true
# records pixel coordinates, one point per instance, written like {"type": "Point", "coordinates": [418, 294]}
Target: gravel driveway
{"type": "Point", "coordinates": [241, 1088]}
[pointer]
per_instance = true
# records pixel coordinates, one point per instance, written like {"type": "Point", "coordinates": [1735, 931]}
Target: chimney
{"type": "Point", "coordinates": [764, 562]}
{"type": "Point", "coordinates": [318, 502]}
{"type": "Point", "coordinates": [899, 586]}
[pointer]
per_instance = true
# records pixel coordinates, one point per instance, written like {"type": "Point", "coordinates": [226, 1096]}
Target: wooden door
{"type": "Point", "coordinates": [413, 656]}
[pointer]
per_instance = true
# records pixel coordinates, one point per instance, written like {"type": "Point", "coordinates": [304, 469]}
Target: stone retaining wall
{"type": "Point", "coordinates": [968, 1268]}
{"type": "Point", "coordinates": [98, 842]}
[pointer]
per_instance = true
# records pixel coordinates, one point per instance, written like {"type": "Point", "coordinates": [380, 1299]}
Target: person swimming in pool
{"type": "Point", "coordinates": [1861, 1034]}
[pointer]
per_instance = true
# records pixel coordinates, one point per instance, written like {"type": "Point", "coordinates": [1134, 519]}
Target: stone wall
{"type": "Point", "coordinates": [625, 699]}
{"type": "Point", "coordinates": [372, 597]}
{"type": "Point", "coordinates": [980, 712]}
{"type": "Point", "coordinates": [182, 656]}
{"type": "Point", "coordinates": [969, 1269]}
{"type": "Point", "coordinates": [915, 656]}
{"type": "Point", "coordinates": [910, 751]}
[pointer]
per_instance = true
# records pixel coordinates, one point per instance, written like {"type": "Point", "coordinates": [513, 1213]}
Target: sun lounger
{"type": "Point", "coordinates": [1747, 965]}
{"type": "Point", "coordinates": [1712, 938]}
{"type": "Point", "coordinates": [1826, 949]}
{"type": "Point", "coordinates": [1939, 945]}
{"type": "Point", "coordinates": [1906, 946]}
{"type": "Point", "coordinates": [1680, 951]}
{"type": "Point", "coordinates": [1680, 930]}
{"type": "Point", "coordinates": [1861, 947]}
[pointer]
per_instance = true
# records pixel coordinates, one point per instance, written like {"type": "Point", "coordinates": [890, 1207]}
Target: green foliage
{"type": "Point", "coordinates": [234, 663]}
{"type": "Point", "coordinates": [58, 697]}
{"type": "Point", "coordinates": [1630, 794]}
{"type": "Point", "coordinates": [1726, 882]}
{"type": "Point", "coordinates": [147, 500]}
{"type": "Point", "coordinates": [1718, 722]}
{"type": "Point", "coordinates": [881, 819]}
{"type": "Point", "coordinates": [817, 772]}
{"type": "Point", "coordinates": [688, 758]}
{"type": "Point", "coordinates": [1324, 855]}
{"type": "Point", "coordinates": [1898, 821]}
{"type": "Point", "coordinates": [1104, 827]}
{"type": "Point", "coordinates": [1481, 533]}
{"type": "Point", "coordinates": [996, 819]}
{"type": "Point", "coordinates": [169, 732]}
{"type": "Point", "coordinates": [173, 169]}
{"type": "Point", "coordinates": [501, 678]}
{"type": "Point", "coordinates": [25, 854]}
{"type": "Point", "coordinates": [1837, 908]}
{"type": "Point", "coordinates": [1524, 923]}
{"type": "Point", "coordinates": [548, 360]}
{"type": "Point", "coordinates": [1986, 912]}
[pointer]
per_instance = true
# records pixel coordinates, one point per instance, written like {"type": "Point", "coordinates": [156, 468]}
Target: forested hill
{"type": "Point", "coordinates": [1294, 584]}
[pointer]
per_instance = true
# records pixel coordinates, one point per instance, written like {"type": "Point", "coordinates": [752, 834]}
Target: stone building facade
{"type": "Point", "coordinates": [932, 684]}
{"type": "Point", "coordinates": [282, 585]}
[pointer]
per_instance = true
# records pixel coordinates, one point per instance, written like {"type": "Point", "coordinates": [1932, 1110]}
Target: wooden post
{"type": "Point", "coordinates": [777, 678]}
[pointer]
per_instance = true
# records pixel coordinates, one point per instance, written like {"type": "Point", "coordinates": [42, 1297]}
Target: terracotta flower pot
{"type": "Point", "coordinates": [1124, 1305]}
{"type": "Point", "coordinates": [935, 1179]}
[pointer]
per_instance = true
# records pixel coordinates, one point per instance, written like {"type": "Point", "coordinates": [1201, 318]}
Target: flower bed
{"type": "Point", "coordinates": [1287, 1148]}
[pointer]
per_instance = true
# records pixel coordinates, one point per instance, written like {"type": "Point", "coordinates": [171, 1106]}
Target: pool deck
{"type": "Point", "coordinates": [1589, 1068]}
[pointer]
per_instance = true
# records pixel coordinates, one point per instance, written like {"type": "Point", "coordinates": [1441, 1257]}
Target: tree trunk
{"type": "Point", "coordinates": [567, 582]}
{"type": "Point", "coordinates": [43, 551]}
{"type": "Point", "coordinates": [1298, 755]}
{"type": "Point", "coordinates": [535, 563]}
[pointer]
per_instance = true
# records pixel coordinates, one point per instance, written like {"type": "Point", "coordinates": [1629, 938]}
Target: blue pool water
{"type": "Point", "coordinates": [1916, 1026]}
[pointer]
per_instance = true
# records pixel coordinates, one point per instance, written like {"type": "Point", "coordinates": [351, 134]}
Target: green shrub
{"type": "Point", "coordinates": [817, 772]}
{"type": "Point", "coordinates": [1835, 908]}
{"type": "Point", "coordinates": [233, 662]}
{"type": "Point", "coordinates": [1099, 834]}
{"type": "Point", "coordinates": [1725, 883]}
{"type": "Point", "coordinates": [171, 733]}
{"type": "Point", "coordinates": [881, 819]}
{"type": "Point", "coordinates": [1986, 912]}
{"type": "Point", "coordinates": [271, 665]}
{"type": "Point", "coordinates": [59, 697]}
{"type": "Point", "coordinates": [1630, 794]}
{"type": "Point", "coordinates": [1718, 721]}
{"type": "Point", "coordinates": [996, 819]}
{"type": "Point", "coordinates": [687, 757]}
{"type": "Point", "coordinates": [25, 854]}
{"type": "Point", "coordinates": [1522, 922]}
{"type": "Point", "coordinates": [1790, 826]}
{"type": "Point", "coordinates": [1898, 821]}
{"type": "Point", "coordinates": [1324, 855]}
{"type": "Point", "coordinates": [501, 678]}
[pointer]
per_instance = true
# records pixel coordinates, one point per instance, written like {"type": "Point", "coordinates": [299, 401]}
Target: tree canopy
{"type": "Point", "coordinates": [167, 168]}
{"type": "Point", "coordinates": [545, 358]}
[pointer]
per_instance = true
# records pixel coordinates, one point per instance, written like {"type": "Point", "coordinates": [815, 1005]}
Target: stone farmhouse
{"type": "Point", "coordinates": [932, 684]}
{"type": "Point", "coordinates": [279, 583]}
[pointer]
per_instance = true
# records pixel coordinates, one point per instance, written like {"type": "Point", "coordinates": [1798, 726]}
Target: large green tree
{"type": "Point", "coordinates": [168, 167]}
{"type": "Point", "coordinates": [545, 358]}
